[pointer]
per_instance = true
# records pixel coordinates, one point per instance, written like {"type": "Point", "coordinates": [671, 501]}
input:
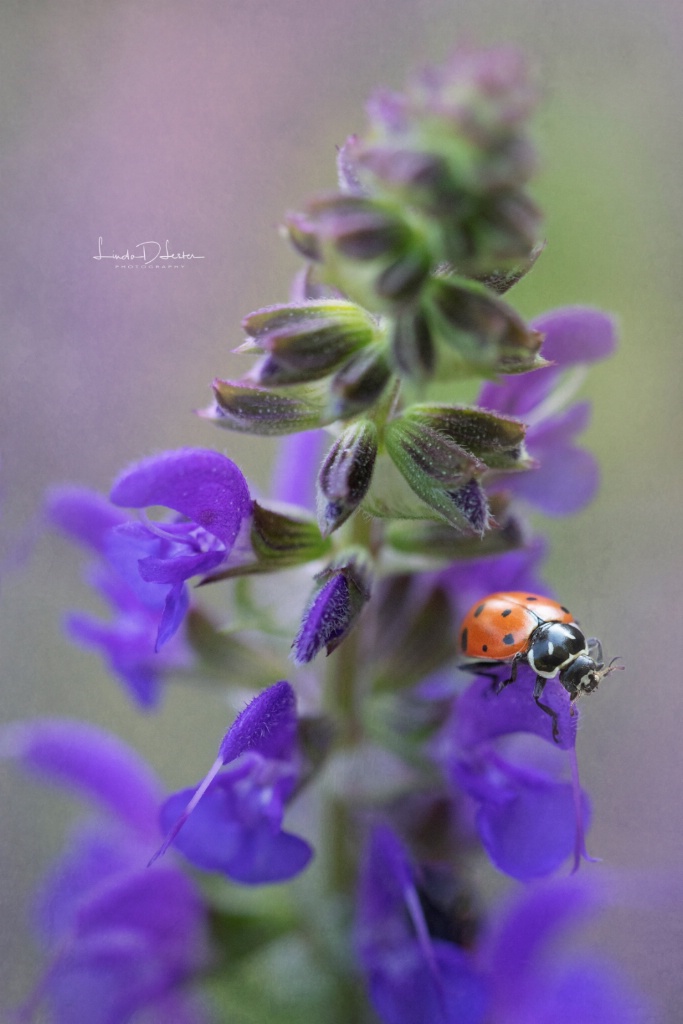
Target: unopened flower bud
{"type": "Point", "coordinates": [440, 472]}
{"type": "Point", "coordinates": [345, 474]}
{"type": "Point", "coordinates": [359, 384]}
{"type": "Point", "coordinates": [250, 409]}
{"type": "Point", "coordinates": [343, 588]}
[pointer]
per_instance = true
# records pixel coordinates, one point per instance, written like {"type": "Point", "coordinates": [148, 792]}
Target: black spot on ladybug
{"type": "Point", "coordinates": [530, 597]}
{"type": "Point", "coordinates": [508, 611]}
{"type": "Point", "coordinates": [463, 640]}
{"type": "Point", "coordinates": [478, 611]}
{"type": "Point", "coordinates": [565, 609]}
{"type": "Point", "coordinates": [484, 647]}
{"type": "Point", "coordinates": [508, 638]}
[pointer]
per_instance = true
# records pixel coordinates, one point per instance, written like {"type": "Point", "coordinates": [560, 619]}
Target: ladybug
{"type": "Point", "coordinates": [522, 628]}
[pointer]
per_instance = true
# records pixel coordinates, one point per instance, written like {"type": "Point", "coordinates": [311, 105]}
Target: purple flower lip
{"type": "Point", "coordinates": [232, 821]}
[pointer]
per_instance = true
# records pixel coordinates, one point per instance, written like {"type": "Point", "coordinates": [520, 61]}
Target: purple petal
{"type": "Point", "coordinates": [203, 485]}
{"type": "Point", "coordinates": [481, 714]}
{"type": "Point", "coordinates": [177, 568]}
{"type": "Point", "coordinates": [468, 581]}
{"type": "Point", "coordinates": [296, 468]}
{"type": "Point", "coordinates": [93, 854]}
{"type": "Point", "coordinates": [175, 610]}
{"type": "Point", "coordinates": [520, 954]}
{"type": "Point", "coordinates": [233, 831]}
{"type": "Point", "coordinates": [266, 725]}
{"type": "Point", "coordinates": [128, 649]}
{"type": "Point", "coordinates": [403, 991]}
{"type": "Point", "coordinates": [527, 825]}
{"type": "Point", "coordinates": [162, 904]}
{"type": "Point", "coordinates": [562, 485]}
{"type": "Point", "coordinates": [92, 763]}
{"type": "Point", "coordinates": [576, 334]}
{"type": "Point", "coordinates": [85, 516]}
{"type": "Point", "coordinates": [518, 394]}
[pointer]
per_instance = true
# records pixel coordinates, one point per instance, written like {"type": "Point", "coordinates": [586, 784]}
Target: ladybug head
{"type": "Point", "coordinates": [584, 674]}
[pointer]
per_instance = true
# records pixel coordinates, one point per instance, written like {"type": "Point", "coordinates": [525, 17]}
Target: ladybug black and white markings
{"type": "Point", "coordinates": [516, 627]}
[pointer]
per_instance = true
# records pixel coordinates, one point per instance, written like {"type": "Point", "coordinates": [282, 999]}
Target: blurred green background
{"type": "Point", "coordinates": [202, 121]}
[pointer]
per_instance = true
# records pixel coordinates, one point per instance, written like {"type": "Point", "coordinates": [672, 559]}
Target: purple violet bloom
{"type": "Point", "coordinates": [566, 478]}
{"type": "Point", "coordinates": [513, 974]}
{"type": "Point", "coordinates": [119, 939]}
{"type": "Point", "coordinates": [143, 565]}
{"type": "Point", "coordinates": [212, 497]}
{"type": "Point", "coordinates": [411, 978]}
{"type": "Point", "coordinates": [126, 642]}
{"type": "Point", "coordinates": [232, 822]}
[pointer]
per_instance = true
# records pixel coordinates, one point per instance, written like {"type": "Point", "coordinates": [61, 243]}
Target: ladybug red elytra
{"type": "Point", "coordinates": [518, 627]}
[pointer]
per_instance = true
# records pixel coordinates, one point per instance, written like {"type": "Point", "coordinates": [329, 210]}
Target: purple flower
{"type": "Point", "coordinates": [232, 822]}
{"type": "Point", "coordinates": [119, 939]}
{"type": "Point", "coordinates": [567, 476]}
{"type": "Point", "coordinates": [411, 978]}
{"type": "Point", "coordinates": [127, 642]}
{"type": "Point", "coordinates": [529, 818]}
{"type": "Point", "coordinates": [511, 974]}
{"type": "Point", "coordinates": [143, 565]}
{"type": "Point", "coordinates": [212, 497]}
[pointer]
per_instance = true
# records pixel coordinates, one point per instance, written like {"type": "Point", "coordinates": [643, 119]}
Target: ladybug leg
{"type": "Point", "coordinates": [538, 693]}
{"type": "Point", "coordinates": [595, 649]}
{"type": "Point", "coordinates": [501, 684]}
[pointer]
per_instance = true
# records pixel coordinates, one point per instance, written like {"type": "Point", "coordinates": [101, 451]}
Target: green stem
{"type": "Point", "coordinates": [339, 845]}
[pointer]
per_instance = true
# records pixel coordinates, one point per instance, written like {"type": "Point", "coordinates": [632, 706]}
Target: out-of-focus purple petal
{"type": "Point", "coordinates": [203, 485]}
{"type": "Point", "coordinates": [267, 725]}
{"type": "Point", "coordinates": [162, 904]}
{"type": "Point", "coordinates": [83, 515]}
{"type": "Point", "coordinates": [179, 1007]}
{"type": "Point", "coordinates": [530, 981]}
{"type": "Point", "coordinates": [518, 394]}
{"type": "Point", "coordinates": [127, 646]}
{"type": "Point", "coordinates": [563, 484]}
{"type": "Point", "coordinates": [94, 853]}
{"type": "Point", "coordinates": [576, 334]}
{"type": "Point", "coordinates": [296, 468]}
{"type": "Point", "coordinates": [403, 991]}
{"type": "Point", "coordinates": [90, 762]}
{"type": "Point", "coordinates": [527, 826]}
{"type": "Point", "coordinates": [587, 992]}
{"type": "Point", "coordinates": [467, 581]}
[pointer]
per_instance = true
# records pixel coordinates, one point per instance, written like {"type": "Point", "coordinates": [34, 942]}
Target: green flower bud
{"type": "Point", "coordinates": [359, 384]}
{"type": "Point", "coordinates": [440, 472]}
{"type": "Point", "coordinates": [345, 474]}
{"type": "Point", "coordinates": [498, 441]}
{"type": "Point", "coordinates": [250, 409]}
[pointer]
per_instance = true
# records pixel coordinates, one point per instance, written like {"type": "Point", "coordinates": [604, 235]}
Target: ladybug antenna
{"type": "Point", "coordinates": [612, 668]}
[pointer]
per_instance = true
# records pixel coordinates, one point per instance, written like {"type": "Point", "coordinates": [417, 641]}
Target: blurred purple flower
{"type": "Point", "coordinates": [232, 822]}
{"type": "Point", "coordinates": [566, 478]}
{"type": "Point", "coordinates": [211, 495]}
{"type": "Point", "coordinates": [119, 939]}
{"type": "Point", "coordinates": [411, 978]}
{"type": "Point", "coordinates": [511, 975]}
{"type": "Point", "coordinates": [143, 565]}
{"type": "Point", "coordinates": [296, 468]}
{"type": "Point", "coordinates": [127, 642]}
